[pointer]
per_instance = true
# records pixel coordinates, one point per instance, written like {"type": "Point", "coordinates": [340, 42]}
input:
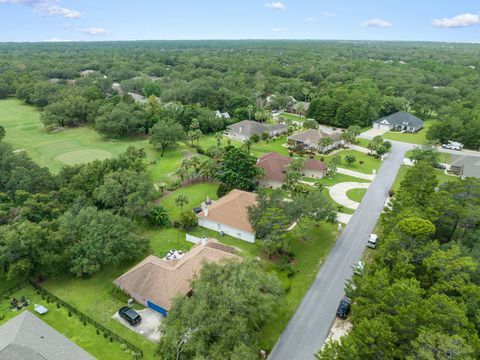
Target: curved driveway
{"type": "Point", "coordinates": [309, 326]}
{"type": "Point", "coordinates": [338, 192]}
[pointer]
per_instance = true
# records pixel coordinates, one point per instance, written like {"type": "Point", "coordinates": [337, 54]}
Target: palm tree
{"type": "Point", "coordinates": [325, 142]}
{"type": "Point", "coordinates": [159, 216]}
{"type": "Point", "coordinates": [181, 200]}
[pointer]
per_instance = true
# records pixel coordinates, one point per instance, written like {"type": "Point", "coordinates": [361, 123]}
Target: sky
{"type": "Point", "coordinates": [102, 20]}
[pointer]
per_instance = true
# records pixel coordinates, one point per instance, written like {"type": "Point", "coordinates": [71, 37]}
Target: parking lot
{"type": "Point", "coordinates": [148, 328]}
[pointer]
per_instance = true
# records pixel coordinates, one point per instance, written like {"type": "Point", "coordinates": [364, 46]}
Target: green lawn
{"type": "Point", "coordinates": [273, 145]}
{"type": "Point", "coordinates": [293, 117]}
{"type": "Point", "coordinates": [196, 194]}
{"type": "Point", "coordinates": [311, 245]}
{"type": "Point", "coordinates": [445, 158]}
{"type": "Point", "coordinates": [335, 179]}
{"type": "Point", "coordinates": [441, 176]}
{"type": "Point", "coordinates": [417, 138]}
{"type": "Point", "coordinates": [356, 194]}
{"type": "Point", "coordinates": [369, 162]}
{"type": "Point", "coordinates": [84, 336]}
{"type": "Point", "coordinates": [362, 142]}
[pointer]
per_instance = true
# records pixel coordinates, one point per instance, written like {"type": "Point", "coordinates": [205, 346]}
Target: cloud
{"type": "Point", "coordinates": [276, 5]}
{"type": "Point", "coordinates": [96, 31]}
{"type": "Point", "coordinates": [462, 20]}
{"type": "Point", "coordinates": [46, 8]}
{"type": "Point", "coordinates": [376, 23]}
{"type": "Point", "coordinates": [309, 19]}
{"type": "Point", "coordinates": [328, 14]}
{"type": "Point", "coordinates": [276, 29]}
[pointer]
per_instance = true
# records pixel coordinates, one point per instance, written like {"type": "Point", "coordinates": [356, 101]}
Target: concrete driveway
{"type": "Point", "coordinates": [310, 325]}
{"type": "Point", "coordinates": [370, 134]}
{"type": "Point", "coordinates": [338, 192]}
{"type": "Point", "coordinates": [148, 328]}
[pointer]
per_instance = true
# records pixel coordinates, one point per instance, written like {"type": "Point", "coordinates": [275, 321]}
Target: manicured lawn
{"type": "Point", "coordinates": [196, 194]}
{"type": "Point", "coordinates": [417, 138]}
{"type": "Point", "coordinates": [369, 162]}
{"type": "Point", "coordinates": [335, 179]}
{"type": "Point", "coordinates": [84, 336]}
{"type": "Point", "coordinates": [273, 145]}
{"type": "Point", "coordinates": [363, 143]}
{"type": "Point", "coordinates": [441, 176]}
{"type": "Point", "coordinates": [356, 194]}
{"type": "Point", "coordinates": [293, 117]}
{"type": "Point", "coordinates": [311, 245]}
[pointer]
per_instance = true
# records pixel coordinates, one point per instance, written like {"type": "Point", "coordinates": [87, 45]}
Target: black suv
{"type": "Point", "coordinates": [344, 307]}
{"type": "Point", "coordinates": [130, 315]}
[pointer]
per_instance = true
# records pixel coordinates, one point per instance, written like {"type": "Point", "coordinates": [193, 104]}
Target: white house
{"type": "Point", "coordinates": [400, 121]}
{"type": "Point", "coordinates": [229, 215]}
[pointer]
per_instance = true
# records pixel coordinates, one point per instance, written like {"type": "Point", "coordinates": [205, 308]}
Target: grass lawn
{"type": "Point", "coordinates": [369, 162]}
{"type": "Point", "coordinates": [356, 194]}
{"type": "Point", "coordinates": [293, 117]}
{"type": "Point", "coordinates": [362, 142]}
{"type": "Point", "coordinates": [273, 145]}
{"type": "Point", "coordinates": [445, 158]}
{"type": "Point", "coordinates": [416, 138]}
{"type": "Point", "coordinates": [335, 179]}
{"type": "Point", "coordinates": [311, 246]}
{"type": "Point", "coordinates": [441, 176]}
{"type": "Point", "coordinates": [84, 336]}
{"type": "Point", "coordinates": [196, 194]}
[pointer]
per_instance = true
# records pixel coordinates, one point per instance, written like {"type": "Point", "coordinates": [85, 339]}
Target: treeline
{"type": "Point", "coordinates": [420, 296]}
{"type": "Point", "coordinates": [348, 83]}
{"type": "Point", "coordinates": [78, 221]}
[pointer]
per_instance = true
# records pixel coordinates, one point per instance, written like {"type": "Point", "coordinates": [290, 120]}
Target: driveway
{"type": "Point", "coordinates": [338, 192]}
{"type": "Point", "coordinates": [148, 328]}
{"type": "Point", "coordinates": [310, 325]}
{"type": "Point", "coordinates": [355, 174]}
{"type": "Point", "coordinates": [370, 134]}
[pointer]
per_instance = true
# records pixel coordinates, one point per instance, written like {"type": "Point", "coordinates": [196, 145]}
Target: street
{"type": "Point", "coordinates": [309, 326]}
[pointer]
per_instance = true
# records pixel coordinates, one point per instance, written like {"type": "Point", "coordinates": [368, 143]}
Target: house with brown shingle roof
{"type": "Point", "coordinates": [155, 282]}
{"type": "Point", "coordinates": [245, 129]}
{"type": "Point", "coordinates": [274, 166]}
{"type": "Point", "coordinates": [309, 139]}
{"type": "Point", "coordinates": [229, 215]}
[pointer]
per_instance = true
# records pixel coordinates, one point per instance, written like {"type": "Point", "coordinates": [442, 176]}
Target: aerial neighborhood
{"type": "Point", "coordinates": [239, 199]}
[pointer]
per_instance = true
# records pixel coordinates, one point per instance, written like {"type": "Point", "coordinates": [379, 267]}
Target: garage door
{"type": "Point", "coordinates": [383, 127]}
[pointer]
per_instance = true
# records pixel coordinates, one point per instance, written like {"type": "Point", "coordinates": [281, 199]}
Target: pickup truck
{"type": "Point", "coordinates": [452, 145]}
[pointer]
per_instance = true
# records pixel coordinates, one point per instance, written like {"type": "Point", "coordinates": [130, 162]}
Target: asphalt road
{"type": "Point", "coordinates": [310, 325]}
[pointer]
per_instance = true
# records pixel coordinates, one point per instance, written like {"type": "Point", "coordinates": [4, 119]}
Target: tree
{"type": "Point", "coordinates": [310, 124]}
{"type": "Point", "coordinates": [194, 134]}
{"type": "Point", "coordinates": [159, 217]}
{"type": "Point", "coordinates": [126, 192]}
{"type": "Point", "coordinates": [188, 220]}
{"type": "Point", "coordinates": [293, 173]}
{"type": "Point", "coordinates": [220, 320]}
{"type": "Point", "coordinates": [428, 153]}
{"type": "Point", "coordinates": [333, 163]}
{"type": "Point", "coordinates": [166, 134]}
{"type": "Point", "coordinates": [71, 111]}
{"type": "Point", "coordinates": [237, 169]}
{"type": "Point", "coordinates": [181, 200]}
{"type": "Point", "coordinates": [122, 119]}
{"type": "Point", "coordinates": [98, 238]}
{"type": "Point", "coordinates": [324, 143]}
{"type": "Point", "coordinates": [431, 345]}
{"type": "Point", "coordinates": [350, 159]}
{"type": "Point", "coordinates": [350, 135]}
{"type": "Point", "coordinates": [2, 133]}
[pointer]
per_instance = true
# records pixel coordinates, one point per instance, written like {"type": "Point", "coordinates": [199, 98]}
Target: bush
{"type": "Point", "coordinates": [188, 220]}
{"type": "Point", "coordinates": [201, 151]}
{"type": "Point", "coordinates": [265, 135]}
{"type": "Point", "coordinates": [158, 216]}
{"type": "Point", "coordinates": [222, 190]}
{"type": "Point", "coordinates": [174, 186]}
{"type": "Point", "coordinates": [255, 138]}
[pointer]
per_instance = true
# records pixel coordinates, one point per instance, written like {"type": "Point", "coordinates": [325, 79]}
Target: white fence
{"type": "Point", "coordinates": [193, 239]}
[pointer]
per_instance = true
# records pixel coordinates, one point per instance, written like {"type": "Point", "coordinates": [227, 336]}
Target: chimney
{"type": "Point", "coordinates": [205, 212]}
{"type": "Point", "coordinates": [240, 129]}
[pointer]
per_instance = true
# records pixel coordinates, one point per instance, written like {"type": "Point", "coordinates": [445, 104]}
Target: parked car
{"type": "Point", "coordinates": [344, 307]}
{"type": "Point", "coordinates": [439, 166]}
{"type": "Point", "coordinates": [372, 241]}
{"type": "Point", "coordinates": [358, 268]}
{"type": "Point", "coordinates": [130, 315]}
{"type": "Point", "coordinates": [452, 145]}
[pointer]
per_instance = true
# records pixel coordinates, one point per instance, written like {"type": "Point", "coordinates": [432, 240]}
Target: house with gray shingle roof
{"type": "Point", "coordinates": [245, 129]}
{"type": "Point", "coordinates": [400, 121]}
{"type": "Point", "coordinates": [27, 337]}
{"type": "Point", "coordinates": [466, 166]}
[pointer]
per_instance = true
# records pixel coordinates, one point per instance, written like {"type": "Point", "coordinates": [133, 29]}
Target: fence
{"type": "Point", "coordinates": [85, 318]}
{"type": "Point", "coordinates": [13, 289]}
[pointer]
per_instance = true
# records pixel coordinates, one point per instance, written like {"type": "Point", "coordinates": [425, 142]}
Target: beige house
{"type": "Point", "coordinates": [309, 139]}
{"type": "Point", "coordinates": [155, 282]}
{"type": "Point", "coordinates": [229, 215]}
{"type": "Point", "coordinates": [274, 166]}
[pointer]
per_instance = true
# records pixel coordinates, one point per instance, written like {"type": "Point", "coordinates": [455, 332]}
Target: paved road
{"type": "Point", "coordinates": [308, 328]}
{"type": "Point", "coordinates": [460, 153]}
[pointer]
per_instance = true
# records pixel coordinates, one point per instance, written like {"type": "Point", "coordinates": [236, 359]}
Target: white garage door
{"type": "Point", "coordinates": [383, 127]}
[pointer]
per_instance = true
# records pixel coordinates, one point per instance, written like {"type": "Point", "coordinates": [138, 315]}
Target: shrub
{"type": "Point", "coordinates": [201, 151]}
{"type": "Point", "coordinates": [255, 138]}
{"type": "Point", "coordinates": [222, 190]}
{"type": "Point", "coordinates": [188, 220]}
{"type": "Point", "coordinates": [265, 135]}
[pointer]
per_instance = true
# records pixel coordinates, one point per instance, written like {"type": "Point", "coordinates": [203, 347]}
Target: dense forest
{"type": "Point", "coordinates": [347, 83]}
{"type": "Point", "coordinates": [420, 296]}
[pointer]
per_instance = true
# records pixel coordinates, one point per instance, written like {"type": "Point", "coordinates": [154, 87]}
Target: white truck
{"type": "Point", "coordinates": [452, 145]}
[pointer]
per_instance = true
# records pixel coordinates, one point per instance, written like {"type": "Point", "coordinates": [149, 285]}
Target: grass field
{"type": "Point", "coordinates": [417, 138]}
{"type": "Point", "coordinates": [84, 336]}
{"type": "Point", "coordinates": [356, 194]}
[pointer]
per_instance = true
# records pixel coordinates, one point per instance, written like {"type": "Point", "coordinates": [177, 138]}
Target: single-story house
{"type": "Point", "coordinates": [465, 166]}
{"type": "Point", "coordinates": [302, 105]}
{"type": "Point", "coordinates": [400, 121]}
{"type": "Point", "coordinates": [155, 282]}
{"type": "Point", "coordinates": [245, 129]}
{"type": "Point", "coordinates": [27, 337]}
{"type": "Point", "coordinates": [88, 72]}
{"type": "Point", "coordinates": [309, 139]}
{"type": "Point", "coordinates": [274, 166]}
{"type": "Point", "coordinates": [138, 98]}
{"type": "Point", "coordinates": [229, 215]}
{"type": "Point", "coordinates": [222, 115]}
